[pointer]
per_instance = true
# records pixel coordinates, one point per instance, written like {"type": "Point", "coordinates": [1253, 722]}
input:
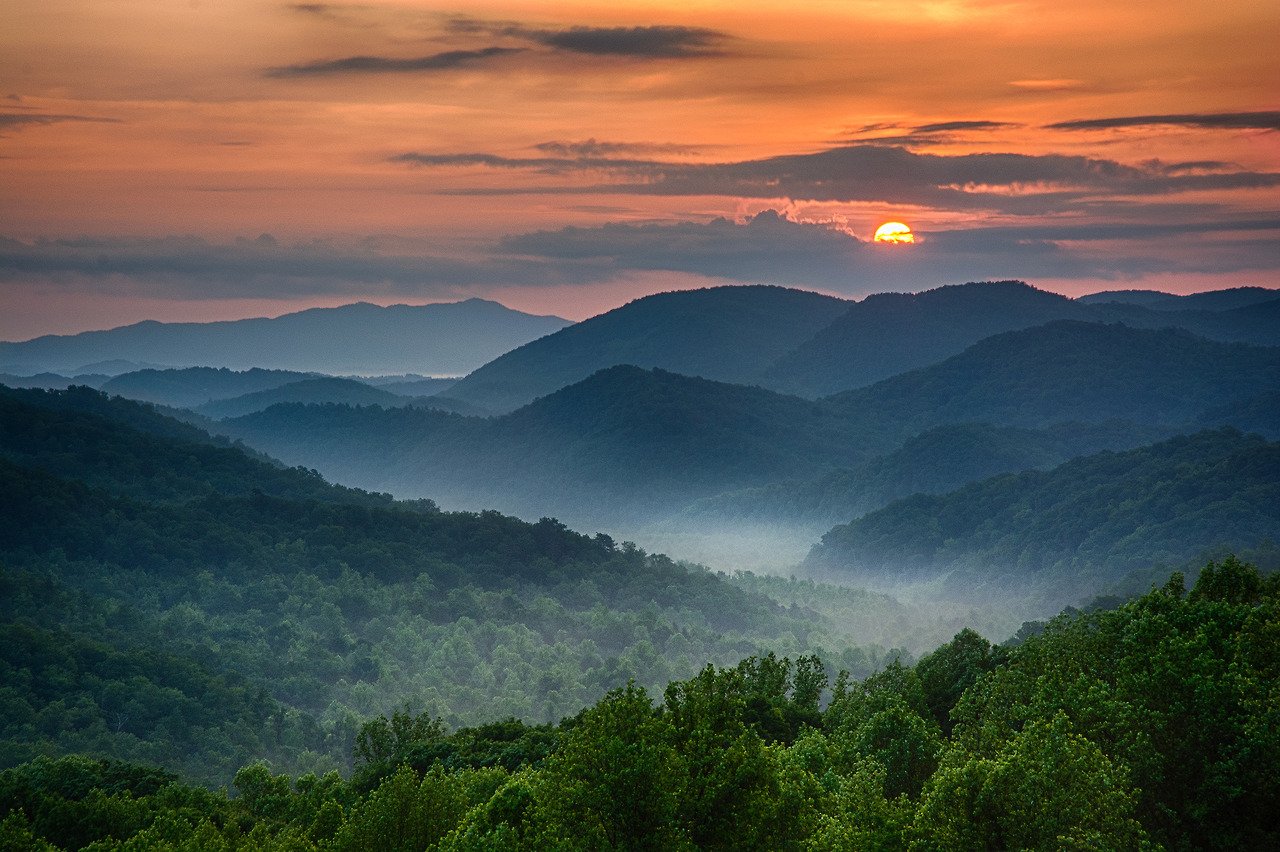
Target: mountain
{"type": "Point", "coordinates": [53, 381]}
{"type": "Point", "coordinates": [442, 339]}
{"type": "Point", "coordinates": [194, 386]}
{"type": "Point", "coordinates": [628, 445]}
{"type": "Point", "coordinates": [1057, 534]}
{"type": "Point", "coordinates": [729, 334]}
{"type": "Point", "coordinates": [891, 333]}
{"type": "Point", "coordinates": [1209, 300]}
{"type": "Point", "coordinates": [622, 442]}
{"type": "Point", "coordinates": [1259, 414]}
{"type": "Point", "coordinates": [128, 449]}
{"type": "Point", "coordinates": [413, 387]}
{"type": "Point", "coordinates": [322, 389]}
{"type": "Point", "coordinates": [1066, 371]}
{"type": "Point", "coordinates": [198, 607]}
{"type": "Point", "coordinates": [936, 461]}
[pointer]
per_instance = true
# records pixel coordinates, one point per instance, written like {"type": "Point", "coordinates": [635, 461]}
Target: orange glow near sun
{"type": "Point", "coordinates": [894, 232]}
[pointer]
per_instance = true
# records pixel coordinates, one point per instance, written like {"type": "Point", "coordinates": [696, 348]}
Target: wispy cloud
{"type": "Point", "coordinates": [1015, 183]}
{"type": "Point", "coordinates": [445, 61]}
{"type": "Point", "coordinates": [770, 248]}
{"type": "Point", "coordinates": [1266, 120]}
{"type": "Point", "coordinates": [595, 148]}
{"type": "Point", "coordinates": [949, 126]}
{"type": "Point", "coordinates": [18, 121]}
{"type": "Point", "coordinates": [652, 42]}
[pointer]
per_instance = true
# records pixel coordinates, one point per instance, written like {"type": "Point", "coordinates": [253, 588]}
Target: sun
{"type": "Point", "coordinates": [894, 232]}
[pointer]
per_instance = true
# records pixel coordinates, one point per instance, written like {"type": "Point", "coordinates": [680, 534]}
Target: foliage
{"type": "Point", "coordinates": [1149, 725]}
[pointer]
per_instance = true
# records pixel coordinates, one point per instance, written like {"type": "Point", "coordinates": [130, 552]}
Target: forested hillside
{"type": "Point", "coordinates": [1068, 371]}
{"type": "Point", "coordinates": [624, 443]}
{"type": "Point", "coordinates": [1151, 725]}
{"type": "Point", "coordinates": [151, 575]}
{"type": "Point", "coordinates": [628, 447]}
{"type": "Point", "coordinates": [796, 342]}
{"type": "Point", "coordinates": [939, 460]}
{"type": "Point", "coordinates": [1062, 532]}
{"type": "Point", "coordinates": [730, 334]}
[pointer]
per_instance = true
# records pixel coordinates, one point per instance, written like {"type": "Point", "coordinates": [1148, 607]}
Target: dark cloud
{"type": "Point", "coordinates": [445, 61]}
{"type": "Point", "coordinates": [766, 248]}
{"type": "Point", "coordinates": [1218, 121]}
{"type": "Point", "coordinates": [653, 42]}
{"type": "Point", "coordinates": [1015, 183]}
{"type": "Point", "coordinates": [17, 121]}
{"type": "Point", "coordinates": [594, 148]}
{"type": "Point", "coordinates": [772, 249]}
{"type": "Point", "coordinates": [189, 267]}
{"type": "Point", "coordinates": [947, 126]}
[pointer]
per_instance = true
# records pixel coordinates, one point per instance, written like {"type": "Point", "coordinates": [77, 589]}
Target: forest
{"type": "Point", "coordinates": [1149, 725]}
{"type": "Point", "coordinates": [1030, 602]}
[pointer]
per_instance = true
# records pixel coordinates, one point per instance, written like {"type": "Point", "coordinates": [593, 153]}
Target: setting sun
{"type": "Point", "coordinates": [894, 232]}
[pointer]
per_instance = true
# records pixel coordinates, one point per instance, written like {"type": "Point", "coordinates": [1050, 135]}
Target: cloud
{"type": "Point", "coordinates": [770, 248]}
{"type": "Point", "coordinates": [18, 121]}
{"type": "Point", "coordinates": [190, 267]}
{"type": "Point", "coordinates": [765, 248]}
{"type": "Point", "coordinates": [1216, 121]}
{"type": "Point", "coordinates": [445, 61]}
{"type": "Point", "coordinates": [593, 148]}
{"type": "Point", "coordinates": [1015, 183]}
{"type": "Point", "coordinates": [651, 42]}
{"type": "Point", "coordinates": [1053, 85]}
{"type": "Point", "coordinates": [947, 126]}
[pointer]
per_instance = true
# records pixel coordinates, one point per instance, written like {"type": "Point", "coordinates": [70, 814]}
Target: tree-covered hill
{"type": "Point", "coordinates": [1208, 300]}
{"type": "Point", "coordinates": [936, 461]}
{"type": "Point", "coordinates": [129, 449]}
{"type": "Point", "coordinates": [625, 442]}
{"type": "Point", "coordinates": [194, 386]}
{"type": "Point", "coordinates": [1150, 725]}
{"type": "Point", "coordinates": [1056, 534]}
{"type": "Point", "coordinates": [628, 445]}
{"type": "Point", "coordinates": [146, 570]}
{"type": "Point", "coordinates": [317, 390]}
{"type": "Point", "coordinates": [1068, 372]}
{"type": "Point", "coordinates": [730, 334]}
{"type": "Point", "coordinates": [891, 333]}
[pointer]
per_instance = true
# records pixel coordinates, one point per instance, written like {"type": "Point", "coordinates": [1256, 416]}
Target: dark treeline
{"type": "Point", "coordinates": [1150, 725]}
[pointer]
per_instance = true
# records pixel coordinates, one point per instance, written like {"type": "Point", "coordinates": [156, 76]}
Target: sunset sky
{"type": "Point", "coordinates": [212, 159]}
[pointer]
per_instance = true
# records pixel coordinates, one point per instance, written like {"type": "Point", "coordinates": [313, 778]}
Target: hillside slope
{"type": "Point", "coordinates": [729, 334]}
{"type": "Point", "coordinates": [1054, 534]}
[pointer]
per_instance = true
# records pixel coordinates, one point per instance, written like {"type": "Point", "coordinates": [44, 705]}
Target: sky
{"type": "Point", "coordinates": [214, 159]}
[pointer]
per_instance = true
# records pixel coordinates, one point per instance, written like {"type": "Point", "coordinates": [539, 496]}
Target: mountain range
{"type": "Point", "coordinates": [793, 341]}
{"type": "Point", "coordinates": [628, 444]}
{"type": "Point", "coordinates": [439, 339]}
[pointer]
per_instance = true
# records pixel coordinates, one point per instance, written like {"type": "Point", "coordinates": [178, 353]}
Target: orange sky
{"type": "Point", "coordinates": [402, 151]}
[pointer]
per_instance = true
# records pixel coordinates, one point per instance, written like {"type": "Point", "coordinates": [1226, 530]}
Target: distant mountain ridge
{"type": "Point", "coordinates": [1211, 300]}
{"type": "Point", "coordinates": [440, 339]}
{"type": "Point", "coordinates": [796, 342]}
{"type": "Point", "coordinates": [727, 334]}
{"type": "Point", "coordinates": [628, 442]}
